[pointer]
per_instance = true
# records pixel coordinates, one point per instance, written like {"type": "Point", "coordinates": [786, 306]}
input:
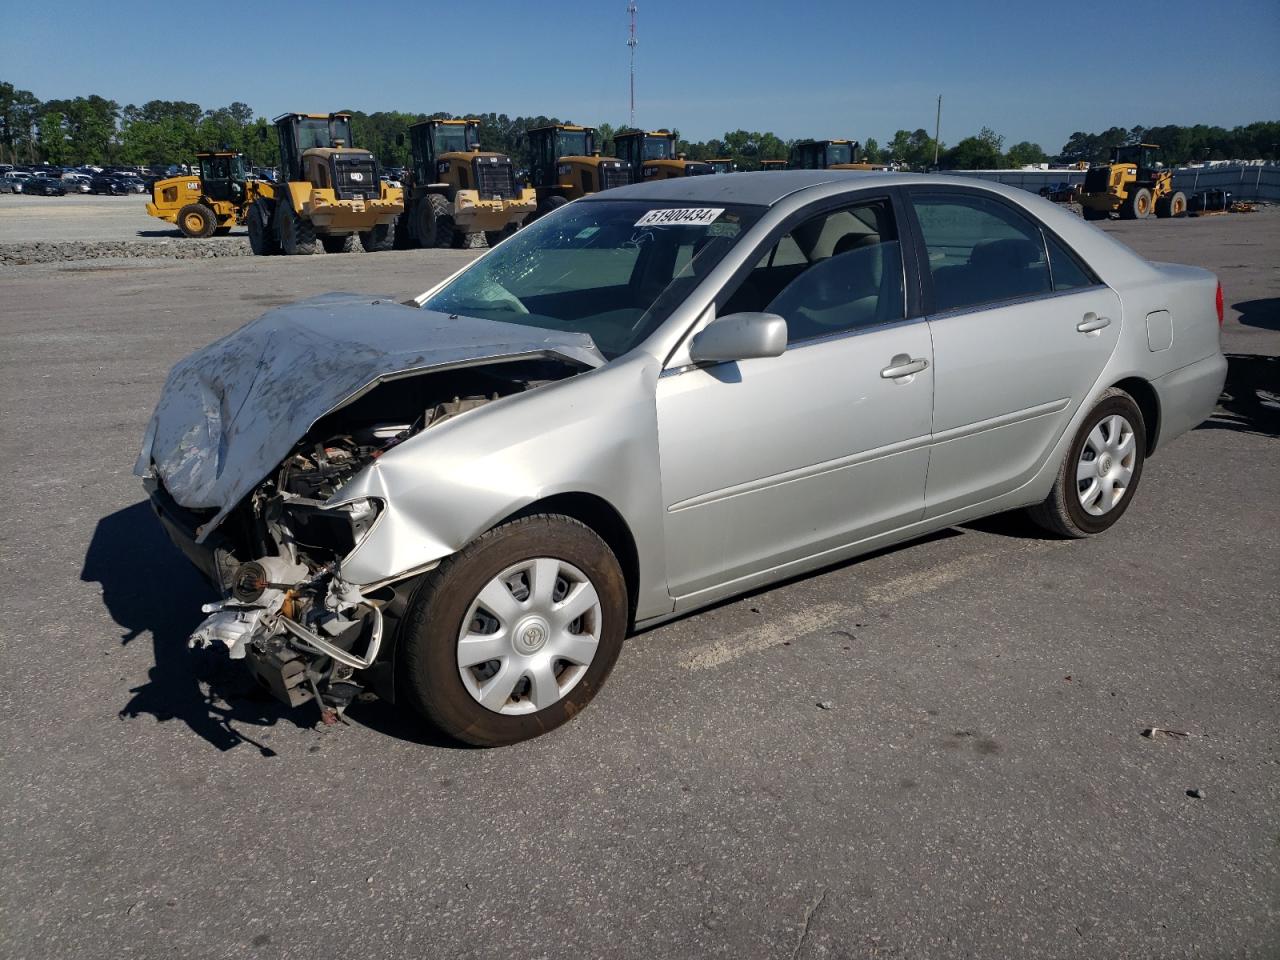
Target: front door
{"type": "Point", "coordinates": [768, 462]}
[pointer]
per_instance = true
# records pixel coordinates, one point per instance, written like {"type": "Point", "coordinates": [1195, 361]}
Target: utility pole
{"type": "Point", "coordinates": [937, 132]}
{"type": "Point", "coordinates": [631, 43]}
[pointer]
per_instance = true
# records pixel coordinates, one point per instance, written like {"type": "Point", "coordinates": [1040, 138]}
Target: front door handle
{"type": "Point", "coordinates": [1092, 323]}
{"type": "Point", "coordinates": [903, 365]}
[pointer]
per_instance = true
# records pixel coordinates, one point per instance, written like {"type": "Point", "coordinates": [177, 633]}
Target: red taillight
{"type": "Point", "coordinates": [1217, 302]}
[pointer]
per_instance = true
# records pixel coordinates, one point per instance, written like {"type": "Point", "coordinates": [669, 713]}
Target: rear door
{"type": "Point", "coordinates": [1021, 332]}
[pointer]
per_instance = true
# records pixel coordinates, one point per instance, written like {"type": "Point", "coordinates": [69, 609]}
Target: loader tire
{"type": "Point", "coordinates": [1178, 204]}
{"type": "Point", "coordinates": [197, 221]}
{"type": "Point", "coordinates": [262, 237]}
{"type": "Point", "coordinates": [381, 237]}
{"type": "Point", "coordinates": [347, 243]}
{"type": "Point", "coordinates": [435, 223]}
{"type": "Point", "coordinates": [495, 237]}
{"type": "Point", "coordinates": [468, 241]}
{"type": "Point", "coordinates": [548, 204]}
{"type": "Point", "coordinates": [1138, 206]}
{"type": "Point", "coordinates": [297, 235]}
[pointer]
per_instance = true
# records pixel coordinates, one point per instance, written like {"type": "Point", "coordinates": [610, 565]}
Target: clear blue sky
{"type": "Point", "coordinates": [1032, 71]}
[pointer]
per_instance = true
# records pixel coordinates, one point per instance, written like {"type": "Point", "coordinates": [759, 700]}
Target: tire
{"type": "Point", "coordinates": [1138, 204]}
{"type": "Point", "coordinates": [1064, 511]}
{"type": "Point", "coordinates": [1162, 208]}
{"type": "Point", "coordinates": [468, 241]}
{"type": "Point", "coordinates": [381, 237]}
{"type": "Point", "coordinates": [450, 596]}
{"type": "Point", "coordinates": [495, 237]}
{"type": "Point", "coordinates": [434, 221]}
{"type": "Point", "coordinates": [554, 202]}
{"type": "Point", "coordinates": [197, 221]}
{"type": "Point", "coordinates": [1178, 204]}
{"type": "Point", "coordinates": [347, 243]}
{"type": "Point", "coordinates": [262, 237]}
{"type": "Point", "coordinates": [1091, 214]}
{"type": "Point", "coordinates": [297, 236]}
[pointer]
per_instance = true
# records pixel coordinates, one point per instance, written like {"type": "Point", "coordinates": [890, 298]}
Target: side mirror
{"type": "Point", "coordinates": [740, 336]}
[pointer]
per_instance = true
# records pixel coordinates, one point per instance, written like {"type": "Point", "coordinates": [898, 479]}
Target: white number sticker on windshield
{"type": "Point", "coordinates": [682, 217]}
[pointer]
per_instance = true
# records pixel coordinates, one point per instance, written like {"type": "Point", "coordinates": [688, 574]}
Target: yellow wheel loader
{"type": "Point", "coordinates": [723, 165]}
{"type": "Point", "coordinates": [652, 156]}
{"type": "Point", "coordinates": [1134, 184]}
{"type": "Point", "coordinates": [566, 165]}
{"type": "Point", "coordinates": [206, 204]}
{"type": "Point", "coordinates": [773, 164]}
{"type": "Point", "coordinates": [456, 192]}
{"type": "Point", "coordinates": [829, 155]}
{"type": "Point", "coordinates": [330, 196]}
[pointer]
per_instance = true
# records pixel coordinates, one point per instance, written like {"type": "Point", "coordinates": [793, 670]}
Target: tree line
{"type": "Point", "coordinates": [95, 130]}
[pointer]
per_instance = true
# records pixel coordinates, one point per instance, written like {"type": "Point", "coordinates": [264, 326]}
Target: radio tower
{"type": "Point", "coordinates": [631, 42]}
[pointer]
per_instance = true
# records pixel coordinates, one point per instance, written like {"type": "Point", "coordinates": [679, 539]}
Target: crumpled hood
{"type": "Point", "coordinates": [231, 412]}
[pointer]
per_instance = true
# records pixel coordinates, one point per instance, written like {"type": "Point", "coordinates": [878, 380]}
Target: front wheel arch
{"type": "Point", "coordinates": [600, 516]}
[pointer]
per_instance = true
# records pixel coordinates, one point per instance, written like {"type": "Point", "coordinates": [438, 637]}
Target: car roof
{"type": "Point", "coordinates": [764, 188]}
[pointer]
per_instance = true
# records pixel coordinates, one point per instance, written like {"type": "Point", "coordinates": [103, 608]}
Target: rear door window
{"type": "Point", "coordinates": [980, 251]}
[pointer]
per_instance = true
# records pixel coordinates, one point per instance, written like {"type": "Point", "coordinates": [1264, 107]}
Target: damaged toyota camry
{"type": "Point", "coordinates": [650, 400]}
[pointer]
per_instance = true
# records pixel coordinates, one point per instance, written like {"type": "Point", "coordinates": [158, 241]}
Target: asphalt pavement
{"type": "Point", "coordinates": [935, 751]}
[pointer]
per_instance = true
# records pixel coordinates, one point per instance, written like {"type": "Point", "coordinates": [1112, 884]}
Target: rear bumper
{"type": "Point", "coordinates": [169, 216]}
{"type": "Point", "coordinates": [1188, 395]}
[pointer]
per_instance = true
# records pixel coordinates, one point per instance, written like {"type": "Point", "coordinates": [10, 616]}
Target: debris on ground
{"type": "Point", "coordinates": [825, 704]}
{"type": "Point", "coordinates": [1197, 793]}
{"type": "Point", "coordinates": [1155, 733]}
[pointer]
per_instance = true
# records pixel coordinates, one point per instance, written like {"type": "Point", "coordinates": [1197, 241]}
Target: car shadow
{"type": "Point", "coordinates": [1263, 313]}
{"type": "Point", "coordinates": [149, 588]}
{"type": "Point", "coordinates": [161, 233]}
{"type": "Point", "coordinates": [1250, 400]}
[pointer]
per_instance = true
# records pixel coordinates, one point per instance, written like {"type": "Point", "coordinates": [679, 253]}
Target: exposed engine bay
{"type": "Point", "coordinates": [305, 632]}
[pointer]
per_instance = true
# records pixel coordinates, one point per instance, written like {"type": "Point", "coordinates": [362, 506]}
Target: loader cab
{"type": "Point", "coordinates": [222, 175]}
{"type": "Point", "coordinates": [430, 140]}
{"type": "Point", "coordinates": [652, 155]}
{"type": "Point", "coordinates": [1145, 156]}
{"type": "Point", "coordinates": [824, 154]}
{"type": "Point", "coordinates": [555, 146]}
{"type": "Point", "coordinates": [723, 165]}
{"type": "Point", "coordinates": [316, 148]}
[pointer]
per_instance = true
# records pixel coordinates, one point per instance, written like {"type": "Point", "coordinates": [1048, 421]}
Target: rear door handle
{"type": "Point", "coordinates": [903, 365]}
{"type": "Point", "coordinates": [1092, 323]}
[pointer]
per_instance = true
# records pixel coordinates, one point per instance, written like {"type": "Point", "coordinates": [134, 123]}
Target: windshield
{"type": "Point", "coordinates": [839, 153]}
{"type": "Point", "coordinates": [317, 133]}
{"type": "Point", "coordinates": [574, 143]}
{"type": "Point", "coordinates": [658, 148]}
{"type": "Point", "coordinates": [453, 138]}
{"type": "Point", "coordinates": [611, 269]}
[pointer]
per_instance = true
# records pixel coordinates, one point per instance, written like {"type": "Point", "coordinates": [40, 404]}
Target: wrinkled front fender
{"type": "Point", "coordinates": [591, 434]}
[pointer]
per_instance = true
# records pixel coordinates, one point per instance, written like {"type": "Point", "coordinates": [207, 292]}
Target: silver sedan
{"type": "Point", "coordinates": [653, 399]}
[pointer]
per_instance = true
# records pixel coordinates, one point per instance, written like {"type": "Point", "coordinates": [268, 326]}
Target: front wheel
{"type": "Point", "coordinates": [1101, 470]}
{"type": "Point", "coordinates": [197, 221]}
{"type": "Point", "coordinates": [515, 634]}
{"type": "Point", "coordinates": [495, 237]}
{"type": "Point", "coordinates": [381, 237]}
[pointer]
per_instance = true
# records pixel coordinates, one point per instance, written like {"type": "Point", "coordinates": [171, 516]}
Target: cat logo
{"type": "Point", "coordinates": [357, 176]}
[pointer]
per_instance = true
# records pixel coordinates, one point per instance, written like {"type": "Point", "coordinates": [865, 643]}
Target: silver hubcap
{"type": "Point", "coordinates": [1106, 465]}
{"type": "Point", "coordinates": [529, 636]}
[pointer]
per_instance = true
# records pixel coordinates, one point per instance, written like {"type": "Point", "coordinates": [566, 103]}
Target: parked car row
{"type": "Point", "coordinates": [45, 184]}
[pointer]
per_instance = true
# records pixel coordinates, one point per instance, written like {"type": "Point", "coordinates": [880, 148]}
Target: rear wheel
{"type": "Point", "coordinates": [381, 237]}
{"type": "Point", "coordinates": [554, 202]}
{"type": "Point", "coordinates": [495, 237]}
{"type": "Point", "coordinates": [435, 222]}
{"type": "Point", "coordinates": [197, 221]}
{"type": "Point", "coordinates": [347, 243]}
{"type": "Point", "coordinates": [1101, 470]}
{"type": "Point", "coordinates": [1178, 204]}
{"type": "Point", "coordinates": [297, 234]}
{"type": "Point", "coordinates": [1138, 206]}
{"type": "Point", "coordinates": [262, 238]}
{"type": "Point", "coordinates": [515, 634]}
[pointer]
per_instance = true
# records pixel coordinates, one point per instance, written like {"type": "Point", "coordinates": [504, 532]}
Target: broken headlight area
{"type": "Point", "coordinates": [303, 631]}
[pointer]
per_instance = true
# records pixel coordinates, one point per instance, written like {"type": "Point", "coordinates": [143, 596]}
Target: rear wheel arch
{"type": "Point", "coordinates": [1148, 401]}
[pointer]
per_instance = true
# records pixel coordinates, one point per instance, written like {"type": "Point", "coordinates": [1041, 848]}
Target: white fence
{"type": "Point", "coordinates": [1243, 182]}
